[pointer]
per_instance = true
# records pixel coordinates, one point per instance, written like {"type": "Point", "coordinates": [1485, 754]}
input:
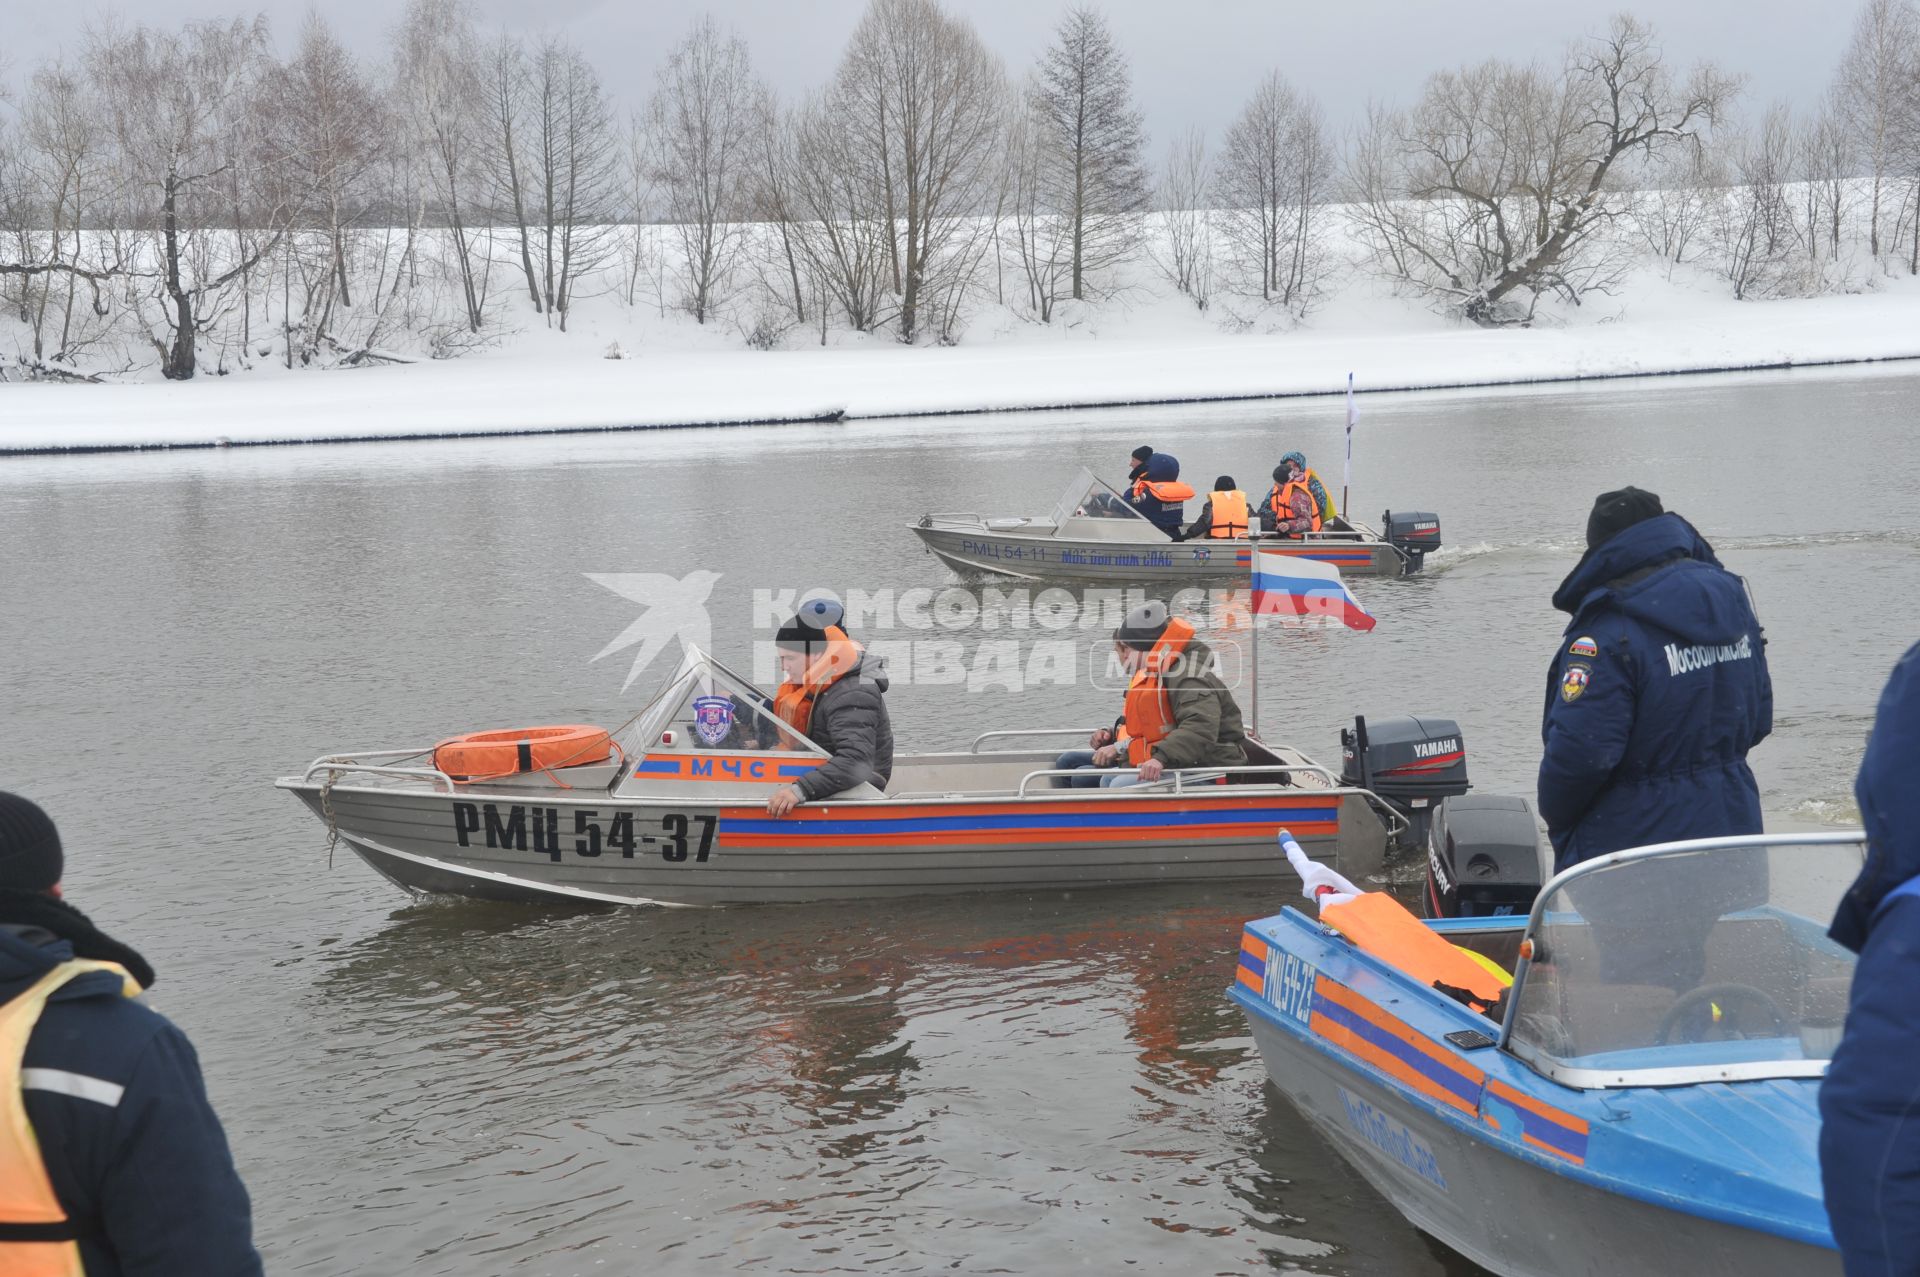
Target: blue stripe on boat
{"type": "Point", "coordinates": [1412, 1057]}
{"type": "Point", "coordinates": [1033, 821]}
{"type": "Point", "coordinates": [1253, 964]}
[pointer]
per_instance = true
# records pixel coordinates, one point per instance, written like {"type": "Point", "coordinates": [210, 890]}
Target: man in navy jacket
{"type": "Point", "coordinates": [1870, 1102]}
{"type": "Point", "coordinates": [112, 1090]}
{"type": "Point", "coordinates": [1658, 691]}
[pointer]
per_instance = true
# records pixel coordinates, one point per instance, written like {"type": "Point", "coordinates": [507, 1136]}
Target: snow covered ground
{"type": "Point", "coordinates": [1151, 347]}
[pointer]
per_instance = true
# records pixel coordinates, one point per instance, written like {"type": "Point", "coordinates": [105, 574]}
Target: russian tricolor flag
{"type": "Point", "coordinates": [1290, 585]}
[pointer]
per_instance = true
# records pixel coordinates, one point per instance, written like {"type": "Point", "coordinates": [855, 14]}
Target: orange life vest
{"type": "Point", "coordinates": [1149, 712]}
{"type": "Point", "coordinates": [1229, 514]}
{"type": "Point", "coordinates": [1380, 925]}
{"type": "Point", "coordinates": [1280, 502]}
{"type": "Point", "coordinates": [1171, 491]}
{"type": "Point", "coordinates": [793, 702]}
{"type": "Point", "coordinates": [26, 1194]}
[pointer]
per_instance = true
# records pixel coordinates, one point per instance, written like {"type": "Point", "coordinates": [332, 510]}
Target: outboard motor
{"type": "Point", "coordinates": [1414, 535]}
{"type": "Point", "coordinates": [1411, 762]}
{"type": "Point", "coordinates": [1483, 858]}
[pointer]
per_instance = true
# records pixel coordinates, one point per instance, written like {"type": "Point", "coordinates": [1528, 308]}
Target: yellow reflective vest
{"type": "Point", "coordinates": [36, 1237]}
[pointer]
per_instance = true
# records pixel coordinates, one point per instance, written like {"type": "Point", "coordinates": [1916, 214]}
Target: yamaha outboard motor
{"type": "Point", "coordinates": [1483, 858]}
{"type": "Point", "coordinates": [1411, 762]}
{"type": "Point", "coordinates": [1414, 535]}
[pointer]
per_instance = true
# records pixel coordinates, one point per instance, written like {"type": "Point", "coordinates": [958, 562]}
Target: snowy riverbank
{"type": "Point", "coordinates": [1154, 351]}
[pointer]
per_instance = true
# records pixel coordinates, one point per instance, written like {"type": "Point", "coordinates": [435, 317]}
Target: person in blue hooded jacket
{"type": "Point", "coordinates": [1160, 496]}
{"type": "Point", "coordinates": [1870, 1101]}
{"type": "Point", "coordinates": [1657, 692]}
{"type": "Point", "coordinates": [116, 1119]}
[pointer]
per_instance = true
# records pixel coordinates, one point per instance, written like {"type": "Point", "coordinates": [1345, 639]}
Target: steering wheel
{"type": "Point", "coordinates": [1710, 993]}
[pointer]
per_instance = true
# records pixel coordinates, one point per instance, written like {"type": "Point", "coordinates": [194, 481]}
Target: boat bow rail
{"type": "Point", "coordinates": [337, 765]}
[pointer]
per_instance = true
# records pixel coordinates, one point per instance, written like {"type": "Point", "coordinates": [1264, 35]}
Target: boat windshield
{"type": "Point", "coordinates": [708, 707]}
{"type": "Point", "coordinates": [1090, 498]}
{"type": "Point", "coordinates": [1690, 963]}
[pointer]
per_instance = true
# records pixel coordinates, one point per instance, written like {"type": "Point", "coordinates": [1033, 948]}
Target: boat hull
{"type": "Point", "coordinates": [1524, 1176]}
{"type": "Point", "coordinates": [979, 551]}
{"type": "Point", "coordinates": [1505, 1214]}
{"type": "Point", "coordinates": [590, 846]}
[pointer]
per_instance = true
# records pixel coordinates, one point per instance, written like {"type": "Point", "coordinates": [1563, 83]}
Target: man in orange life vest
{"type": "Point", "coordinates": [1160, 496]}
{"type": "Point", "coordinates": [834, 697]}
{"type": "Point", "coordinates": [111, 1159]}
{"type": "Point", "coordinates": [1222, 515]}
{"type": "Point", "coordinates": [1179, 714]}
{"type": "Point", "coordinates": [1290, 509]}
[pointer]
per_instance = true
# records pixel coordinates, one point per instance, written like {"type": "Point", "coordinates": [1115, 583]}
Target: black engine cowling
{"type": "Point", "coordinates": [1415, 535]}
{"type": "Point", "coordinates": [1412, 761]}
{"type": "Point", "coordinates": [1483, 857]}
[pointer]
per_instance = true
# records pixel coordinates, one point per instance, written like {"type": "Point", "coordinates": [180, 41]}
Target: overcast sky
{"type": "Point", "coordinates": [1194, 61]}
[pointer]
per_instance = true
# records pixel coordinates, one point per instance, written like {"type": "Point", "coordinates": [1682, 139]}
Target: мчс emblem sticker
{"type": "Point", "coordinates": [1584, 646]}
{"type": "Point", "coordinates": [1573, 682]}
{"type": "Point", "coordinates": [713, 718]}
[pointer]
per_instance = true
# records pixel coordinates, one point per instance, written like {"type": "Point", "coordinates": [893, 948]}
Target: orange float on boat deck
{"type": "Point", "coordinates": [484, 755]}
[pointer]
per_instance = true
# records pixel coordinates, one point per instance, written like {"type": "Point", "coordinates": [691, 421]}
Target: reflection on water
{"type": "Point", "coordinates": [916, 1082]}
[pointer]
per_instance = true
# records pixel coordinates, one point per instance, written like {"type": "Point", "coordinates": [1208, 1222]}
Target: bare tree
{"type": "Point", "coordinates": [1872, 89]}
{"type": "Point", "coordinates": [62, 184]}
{"type": "Point", "coordinates": [508, 94]}
{"type": "Point", "coordinates": [1090, 143]}
{"type": "Point", "coordinates": [1184, 250]}
{"type": "Point", "coordinates": [327, 122]}
{"type": "Point", "coordinates": [442, 102]}
{"type": "Point", "coordinates": [573, 170]}
{"type": "Point", "coordinates": [843, 230]}
{"type": "Point", "coordinates": [702, 119]}
{"type": "Point", "coordinates": [1756, 231]}
{"type": "Point", "coordinates": [1271, 187]}
{"type": "Point", "coordinates": [1497, 187]}
{"type": "Point", "coordinates": [1043, 223]}
{"type": "Point", "coordinates": [1827, 168]}
{"type": "Point", "coordinates": [171, 104]}
{"type": "Point", "coordinates": [925, 105]}
{"type": "Point", "coordinates": [1675, 196]}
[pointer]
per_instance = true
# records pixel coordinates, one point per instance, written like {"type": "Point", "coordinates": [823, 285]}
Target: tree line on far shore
{"type": "Point", "coordinates": [172, 197]}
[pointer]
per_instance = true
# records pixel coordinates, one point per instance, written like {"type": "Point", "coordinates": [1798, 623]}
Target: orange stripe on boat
{"type": "Point", "coordinates": [1342, 996]}
{"type": "Point", "coordinates": [1520, 1099]}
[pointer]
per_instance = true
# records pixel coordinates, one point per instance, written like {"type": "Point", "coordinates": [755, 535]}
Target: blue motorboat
{"type": "Point", "coordinates": [1643, 1098]}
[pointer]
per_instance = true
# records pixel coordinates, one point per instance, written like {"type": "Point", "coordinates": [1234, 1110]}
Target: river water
{"type": "Point", "coordinates": [991, 1084]}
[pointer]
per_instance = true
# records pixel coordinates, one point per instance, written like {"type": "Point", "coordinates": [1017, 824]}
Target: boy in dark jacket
{"type": "Point", "coordinates": [1658, 691]}
{"type": "Point", "coordinates": [835, 697]}
{"type": "Point", "coordinates": [135, 1156]}
{"type": "Point", "coordinates": [1870, 1101]}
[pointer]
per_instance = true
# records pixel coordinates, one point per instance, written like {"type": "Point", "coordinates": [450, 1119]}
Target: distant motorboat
{"type": "Point", "coordinates": [1095, 533]}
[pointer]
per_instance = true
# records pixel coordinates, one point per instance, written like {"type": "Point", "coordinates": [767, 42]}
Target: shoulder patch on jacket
{"type": "Point", "coordinates": [1573, 682]}
{"type": "Point", "coordinates": [1584, 646]}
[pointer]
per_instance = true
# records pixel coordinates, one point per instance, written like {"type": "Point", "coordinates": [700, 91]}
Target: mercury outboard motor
{"type": "Point", "coordinates": [1411, 762]}
{"type": "Point", "coordinates": [1414, 535]}
{"type": "Point", "coordinates": [1483, 858]}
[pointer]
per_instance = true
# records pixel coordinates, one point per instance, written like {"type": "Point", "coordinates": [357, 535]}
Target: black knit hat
{"type": "Point", "coordinates": [1283, 472]}
{"type": "Point", "coordinates": [1614, 512]}
{"type": "Point", "coordinates": [1142, 452]}
{"type": "Point", "coordinates": [1143, 626]}
{"type": "Point", "coordinates": [30, 856]}
{"type": "Point", "coordinates": [809, 624]}
{"type": "Point", "coordinates": [1224, 483]}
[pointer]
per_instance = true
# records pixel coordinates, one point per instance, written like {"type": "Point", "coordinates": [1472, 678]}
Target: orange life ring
{"type": "Point", "coordinates": [484, 755]}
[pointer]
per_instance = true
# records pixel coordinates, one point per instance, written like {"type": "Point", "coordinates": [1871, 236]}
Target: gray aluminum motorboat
{"type": "Point", "coordinates": [1095, 534]}
{"type": "Point", "coordinates": [680, 818]}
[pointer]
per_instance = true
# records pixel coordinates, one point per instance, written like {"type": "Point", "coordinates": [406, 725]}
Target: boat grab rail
{"type": "Point", "coordinates": [1016, 733]}
{"type": "Point", "coordinates": [953, 516]}
{"type": "Point", "coordinates": [1202, 775]}
{"type": "Point", "coordinates": [342, 763]}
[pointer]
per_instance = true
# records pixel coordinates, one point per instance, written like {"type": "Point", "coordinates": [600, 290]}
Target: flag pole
{"type": "Point", "coordinates": [1346, 480]}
